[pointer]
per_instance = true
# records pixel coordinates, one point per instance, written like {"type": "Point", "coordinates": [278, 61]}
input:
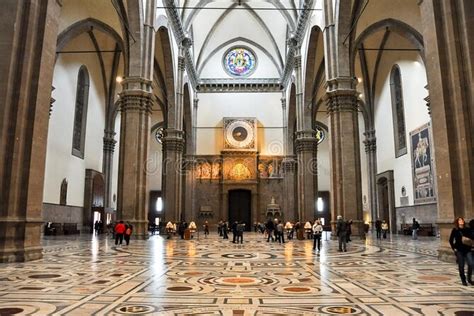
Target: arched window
{"type": "Point", "coordinates": [63, 193]}
{"type": "Point", "coordinates": [80, 113]}
{"type": "Point", "coordinates": [399, 130]}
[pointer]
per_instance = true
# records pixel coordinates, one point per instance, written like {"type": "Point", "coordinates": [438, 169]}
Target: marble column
{"type": "Point", "coordinates": [346, 191]}
{"type": "Point", "coordinates": [173, 146]}
{"type": "Point", "coordinates": [108, 164]}
{"type": "Point", "coordinates": [449, 42]}
{"type": "Point", "coordinates": [135, 106]}
{"type": "Point", "coordinates": [27, 46]}
{"type": "Point", "coordinates": [370, 143]}
{"type": "Point", "coordinates": [306, 147]}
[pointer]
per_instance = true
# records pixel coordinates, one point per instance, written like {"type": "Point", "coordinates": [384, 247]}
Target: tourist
{"type": "Point", "coordinates": [280, 232]}
{"type": "Point", "coordinates": [219, 228]}
{"type": "Point", "coordinates": [240, 227]}
{"type": "Point", "coordinates": [308, 229]}
{"type": "Point", "coordinates": [384, 229]}
{"type": "Point", "coordinates": [128, 233]}
{"type": "Point", "coordinates": [461, 243]}
{"type": "Point", "coordinates": [414, 229]}
{"type": "Point", "coordinates": [169, 229]}
{"type": "Point", "coordinates": [270, 228]}
{"type": "Point", "coordinates": [378, 228]}
{"type": "Point", "coordinates": [289, 230]}
{"type": "Point", "coordinates": [341, 231]}
{"type": "Point", "coordinates": [234, 231]}
{"type": "Point", "coordinates": [119, 230]}
{"type": "Point", "coordinates": [225, 227]}
{"type": "Point", "coordinates": [317, 234]}
{"type": "Point", "coordinates": [206, 229]}
{"type": "Point", "coordinates": [349, 230]}
{"type": "Point", "coordinates": [471, 235]}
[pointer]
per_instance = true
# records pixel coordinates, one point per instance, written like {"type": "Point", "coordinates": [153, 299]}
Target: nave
{"type": "Point", "coordinates": [209, 276]}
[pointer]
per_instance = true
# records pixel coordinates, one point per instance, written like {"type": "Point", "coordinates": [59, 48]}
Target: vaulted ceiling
{"type": "Point", "coordinates": [215, 25]}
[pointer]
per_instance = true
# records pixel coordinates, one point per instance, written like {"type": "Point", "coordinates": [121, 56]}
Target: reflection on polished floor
{"type": "Point", "coordinates": [88, 275]}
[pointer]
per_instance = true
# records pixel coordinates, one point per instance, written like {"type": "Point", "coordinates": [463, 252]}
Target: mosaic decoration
{"type": "Point", "coordinates": [212, 276]}
{"type": "Point", "coordinates": [240, 61]}
{"type": "Point", "coordinates": [423, 165]}
{"type": "Point", "coordinates": [240, 172]}
{"type": "Point", "coordinates": [270, 168]}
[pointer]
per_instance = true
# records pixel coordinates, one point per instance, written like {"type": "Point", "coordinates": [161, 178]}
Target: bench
{"type": "Point", "coordinates": [424, 230]}
{"type": "Point", "coordinates": [70, 229]}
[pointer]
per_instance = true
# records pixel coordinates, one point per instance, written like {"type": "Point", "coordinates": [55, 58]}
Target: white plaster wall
{"type": "Point", "coordinates": [413, 82]}
{"type": "Point", "coordinates": [60, 163]}
{"type": "Point", "coordinates": [115, 167]}
{"type": "Point", "coordinates": [364, 170]}
{"type": "Point", "coordinates": [266, 107]}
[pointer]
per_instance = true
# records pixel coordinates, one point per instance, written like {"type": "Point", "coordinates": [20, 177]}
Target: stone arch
{"type": "Point", "coordinates": [397, 26]}
{"type": "Point", "coordinates": [311, 72]}
{"type": "Point", "coordinates": [163, 43]}
{"type": "Point", "coordinates": [76, 29]}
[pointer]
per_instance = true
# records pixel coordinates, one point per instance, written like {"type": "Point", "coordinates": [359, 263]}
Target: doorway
{"type": "Point", "coordinates": [240, 207]}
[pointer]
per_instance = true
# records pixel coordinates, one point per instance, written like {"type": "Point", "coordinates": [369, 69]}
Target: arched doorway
{"type": "Point", "coordinates": [386, 199]}
{"type": "Point", "coordinates": [240, 208]}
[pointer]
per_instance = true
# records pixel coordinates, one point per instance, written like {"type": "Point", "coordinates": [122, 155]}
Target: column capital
{"type": "Point", "coordinates": [133, 83]}
{"type": "Point", "coordinates": [370, 141]}
{"type": "Point", "coordinates": [342, 100]}
{"type": "Point", "coordinates": [173, 140]}
{"type": "Point", "coordinates": [136, 101]}
{"type": "Point", "coordinates": [306, 144]}
{"type": "Point", "coordinates": [109, 141]}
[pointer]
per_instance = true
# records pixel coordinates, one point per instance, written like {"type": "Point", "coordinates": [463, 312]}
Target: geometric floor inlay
{"type": "Point", "coordinates": [87, 275]}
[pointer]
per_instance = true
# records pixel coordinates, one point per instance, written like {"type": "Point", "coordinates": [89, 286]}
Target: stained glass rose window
{"type": "Point", "coordinates": [240, 61]}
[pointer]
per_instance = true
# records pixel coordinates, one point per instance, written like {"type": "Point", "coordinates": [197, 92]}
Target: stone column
{"type": "Point", "coordinates": [173, 146]}
{"type": "Point", "coordinates": [449, 44]}
{"type": "Point", "coordinates": [370, 143]}
{"type": "Point", "coordinates": [346, 189]}
{"type": "Point", "coordinates": [27, 46]}
{"type": "Point", "coordinates": [306, 147]}
{"type": "Point", "coordinates": [108, 164]}
{"type": "Point", "coordinates": [136, 105]}
{"type": "Point", "coordinates": [188, 169]}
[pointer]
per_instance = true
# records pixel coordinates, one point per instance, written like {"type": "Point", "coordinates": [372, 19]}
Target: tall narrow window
{"type": "Point", "coordinates": [399, 130]}
{"type": "Point", "coordinates": [80, 113]}
{"type": "Point", "coordinates": [63, 193]}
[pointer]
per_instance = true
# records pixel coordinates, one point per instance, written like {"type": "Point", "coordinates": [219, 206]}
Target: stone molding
{"type": "Point", "coordinates": [235, 85]}
{"type": "Point", "coordinates": [174, 144]}
{"type": "Point", "coordinates": [109, 143]}
{"type": "Point", "coordinates": [288, 165]}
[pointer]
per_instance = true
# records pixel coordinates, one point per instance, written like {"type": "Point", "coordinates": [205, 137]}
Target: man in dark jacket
{"type": "Point", "coordinates": [461, 249]}
{"type": "Point", "coordinates": [341, 232]}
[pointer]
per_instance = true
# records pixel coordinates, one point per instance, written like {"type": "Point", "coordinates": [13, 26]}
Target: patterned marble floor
{"type": "Point", "coordinates": [88, 275]}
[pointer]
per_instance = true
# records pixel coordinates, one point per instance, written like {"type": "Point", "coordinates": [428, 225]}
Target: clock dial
{"type": "Point", "coordinates": [240, 134]}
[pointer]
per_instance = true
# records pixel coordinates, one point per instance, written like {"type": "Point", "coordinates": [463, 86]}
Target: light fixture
{"type": "Point", "coordinates": [359, 79]}
{"type": "Point", "coordinates": [119, 79]}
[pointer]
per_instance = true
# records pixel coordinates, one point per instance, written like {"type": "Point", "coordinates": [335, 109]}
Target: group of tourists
{"type": "Point", "coordinates": [381, 228]}
{"type": "Point", "coordinates": [122, 231]}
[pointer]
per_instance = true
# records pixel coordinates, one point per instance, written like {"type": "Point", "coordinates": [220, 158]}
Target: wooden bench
{"type": "Point", "coordinates": [424, 230]}
{"type": "Point", "coordinates": [70, 229]}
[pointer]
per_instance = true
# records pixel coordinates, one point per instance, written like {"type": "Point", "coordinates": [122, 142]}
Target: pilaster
{"type": "Point", "coordinates": [370, 143]}
{"type": "Point", "coordinates": [135, 107]}
{"type": "Point", "coordinates": [346, 188]}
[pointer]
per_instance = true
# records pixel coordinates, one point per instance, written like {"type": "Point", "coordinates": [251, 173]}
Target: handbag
{"type": "Point", "coordinates": [467, 241]}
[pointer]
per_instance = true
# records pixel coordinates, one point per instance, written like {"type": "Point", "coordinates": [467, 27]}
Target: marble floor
{"type": "Point", "coordinates": [209, 276]}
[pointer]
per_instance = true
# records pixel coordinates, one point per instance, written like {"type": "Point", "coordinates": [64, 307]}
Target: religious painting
{"type": "Point", "coordinates": [423, 165]}
{"type": "Point", "coordinates": [239, 61]}
{"type": "Point", "coordinates": [269, 168]}
{"type": "Point", "coordinates": [240, 172]}
{"type": "Point", "coordinates": [208, 170]}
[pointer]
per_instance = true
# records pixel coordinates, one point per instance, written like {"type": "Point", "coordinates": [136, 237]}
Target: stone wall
{"type": "Point", "coordinates": [62, 214]}
{"type": "Point", "coordinates": [424, 214]}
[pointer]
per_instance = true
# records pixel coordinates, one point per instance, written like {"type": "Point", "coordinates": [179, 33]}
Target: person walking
{"type": "Point", "coordinates": [414, 229]}
{"type": "Point", "coordinates": [270, 228]}
{"type": "Point", "coordinates": [234, 231]}
{"type": "Point", "coordinates": [317, 234]}
{"type": "Point", "coordinates": [341, 231]}
{"type": "Point", "coordinates": [378, 228]}
{"type": "Point", "coordinates": [225, 227]}
{"type": "Point", "coordinates": [239, 230]}
{"type": "Point", "coordinates": [280, 232]}
{"type": "Point", "coordinates": [128, 233]}
{"type": "Point", "coordinates": [206, 229]}
{"type": "Point", "coordinates": [384, 229]}
{"type": "Point", "coordinates": [461, 243]}
{"type": "Point", "coordinates": [119, 231]}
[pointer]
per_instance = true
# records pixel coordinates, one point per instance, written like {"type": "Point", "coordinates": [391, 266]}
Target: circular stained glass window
{"type": "Point", "coordinates": [320, 134]}
{"type": "Point", "coordinates": [159, 134]}
{"type": "Point", "coordinates": [240, 61]}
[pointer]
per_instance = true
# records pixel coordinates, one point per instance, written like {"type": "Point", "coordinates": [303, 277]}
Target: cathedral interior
{"type": "Point", "coordinates": [220, 111]}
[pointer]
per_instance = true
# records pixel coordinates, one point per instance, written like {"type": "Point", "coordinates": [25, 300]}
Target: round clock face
{"type": "Point", "coordinates": [239, 134]}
